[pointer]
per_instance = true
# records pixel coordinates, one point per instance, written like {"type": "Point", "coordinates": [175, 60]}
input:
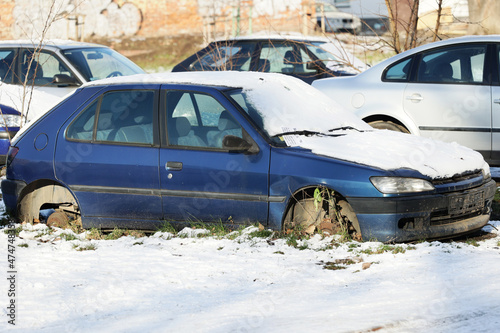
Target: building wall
{"type": "Point", "coordinates": [118, 18]}
{"type": "Point", "coordinates": [6, 18]}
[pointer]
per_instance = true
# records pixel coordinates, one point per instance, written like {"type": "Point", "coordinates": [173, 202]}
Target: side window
{"type": "Point", "coordinates": [122, 117]}
{"type": "Point", "coordinates": [284, 58]}
{"type": "Point", "coordinates": [459, 64]}
{"type": "Point", "coordinates": [41, 68]}
{"type": "Point", "coordinates": [399, 72]}
{"type": "Point", "coordinates": [82, 128]}
{"type": "Point", "coordinates": [226, 57]}
{"type": "Point", "coordinates": [203, 121]}
{"type": "Point", "coordinates": [6, 65]}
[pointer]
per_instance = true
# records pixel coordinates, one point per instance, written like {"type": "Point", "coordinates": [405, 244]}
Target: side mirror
{"type": "Point", "coordinates": [62, 80]}
{"type": "Point", "coordinates": [311, 66]}
{"type": "Point", "coordinates": [238, 145]}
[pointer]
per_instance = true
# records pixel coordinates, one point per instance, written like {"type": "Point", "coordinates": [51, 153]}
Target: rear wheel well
{"type": "Point", "coordinates": [399, 126]}
{"type": "Point", "coordinates": [321, 208]}
{"type": "Point", "coordinates": [44, 194]}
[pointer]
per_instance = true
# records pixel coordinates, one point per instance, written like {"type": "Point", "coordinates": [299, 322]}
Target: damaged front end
{"type": "Point", "coordinates": [456, 206]}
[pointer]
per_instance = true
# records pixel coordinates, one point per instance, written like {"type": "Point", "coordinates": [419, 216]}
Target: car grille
{"type": "Point", "coordinates": [346, 20]}
{"type": "Point", "coordinates": [458, 178]}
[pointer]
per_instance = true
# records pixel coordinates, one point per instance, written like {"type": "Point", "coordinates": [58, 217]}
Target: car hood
{"type": "Point", "coordinates": [390, 150]}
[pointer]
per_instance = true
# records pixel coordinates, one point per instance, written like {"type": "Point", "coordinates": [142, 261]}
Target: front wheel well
{"type": "Point", "coordinates": [321, 208]}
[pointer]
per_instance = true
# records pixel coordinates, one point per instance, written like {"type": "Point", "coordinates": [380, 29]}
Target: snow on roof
{"type": "Point", "coordinates": [58, 43]}
{"type": "Point", "coordinates": [286, 103]}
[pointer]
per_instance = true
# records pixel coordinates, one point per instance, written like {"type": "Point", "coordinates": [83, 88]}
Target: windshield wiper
{"type": "Point", "coordinates": [343, 128]}
{"type": "Point", "coordinates": [308, 133]}
{"type": "Point", "coordinates": [303, 132]}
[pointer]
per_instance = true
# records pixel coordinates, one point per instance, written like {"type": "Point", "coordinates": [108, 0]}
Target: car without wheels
{"type": "Point", "coordinates": [238, 148]}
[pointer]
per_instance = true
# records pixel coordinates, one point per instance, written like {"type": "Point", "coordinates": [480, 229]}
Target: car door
{"type": "Point", "coordinates": [495, 110]}
{"type": "Point", "coordinates": [449, 98]}
{"type": "Point", "coordinates": [200, 180]}
{"type": "Point", "coordinates": [108, 156]}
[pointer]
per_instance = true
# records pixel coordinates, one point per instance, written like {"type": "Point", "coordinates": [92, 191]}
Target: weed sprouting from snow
{"type": "Point", "coordinates": [472, 242]}
{"type": "Point", "coordinates": [94, 233]}
{"type": "Point", "coordinates": [261, 233]}
{"type": "Point", "coordinates": [167, 227]}
{"type": "Point", "coordinates": [68, 237]}
{"type": "Point", "coordinates": [115, 234]}
{"type": "Point", "coordinates": [85, 247]}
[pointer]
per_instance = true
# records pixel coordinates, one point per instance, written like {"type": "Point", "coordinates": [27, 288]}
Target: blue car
{"type": "Point", "coordinates": [238, 148]}
{"type": "Point", "coordinates": [10, 120]}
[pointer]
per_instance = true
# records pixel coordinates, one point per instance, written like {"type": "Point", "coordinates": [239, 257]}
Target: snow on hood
{"type": "Point", "coordinates": [390, 150]}
{"type": "Point", "coordinates": [286, 103]}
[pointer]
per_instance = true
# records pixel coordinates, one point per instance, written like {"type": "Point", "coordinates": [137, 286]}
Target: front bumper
{"type": "Point", "coordinates": [398, 219]}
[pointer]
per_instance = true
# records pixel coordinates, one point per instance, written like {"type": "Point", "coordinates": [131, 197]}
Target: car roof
{"type": "Point", "coordinates": [217, 79]}
{"type": "Point", "coordinates": [282, 37]}
{"type": "Point", "coordinates": [50, 44]}
{"type": "Point", "coordinates": [447, 42]}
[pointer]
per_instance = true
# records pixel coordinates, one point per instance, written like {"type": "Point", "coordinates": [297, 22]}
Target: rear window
{"type": "Point", "coordinates": [398, 72]}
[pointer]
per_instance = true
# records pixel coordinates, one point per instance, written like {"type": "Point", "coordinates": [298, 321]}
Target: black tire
{"type": "Point", "coordinates": [388, 125]}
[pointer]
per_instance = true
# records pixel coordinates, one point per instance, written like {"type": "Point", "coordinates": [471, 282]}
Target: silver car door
{"type": "Point", "coordinates": [449, 99]}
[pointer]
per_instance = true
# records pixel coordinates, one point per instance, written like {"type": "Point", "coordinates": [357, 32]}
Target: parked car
{"type": "Point", "coordinates": [34, 79]}
{"type": "Point", "coordinates": [307, 58]}
{"type": "Point", "coordinates": [238, 148]}
{"type": "Point", "coordinates": [336, 20]}
{"type": "Point", "coordinates": [10, 120]}
{"type": "Point", "coordinates": [447, 90]}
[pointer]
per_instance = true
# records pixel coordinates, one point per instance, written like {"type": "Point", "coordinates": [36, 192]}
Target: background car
{"type": "Point", "coordinates": [307, 58]}
{"type": "Point", "coordinates": [34, 79]}
{"type": "Point", "coordinates": [10, 120]}
{"type": "Point", "coordinates": [237, 148]}
{"type": "Point", "coordinates": [336, 20]}
{"type": "Point", "coordinates": [448, 90]}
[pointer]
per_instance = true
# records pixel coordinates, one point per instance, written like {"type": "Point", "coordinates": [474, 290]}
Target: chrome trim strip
{"type": "Point", "coordinates": [177, 193]}
{"type": "Point", "coordinates": [455, 129]}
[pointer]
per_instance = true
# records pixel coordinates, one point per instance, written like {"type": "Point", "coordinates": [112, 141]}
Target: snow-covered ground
{"type": "Point", "coordinates": [192, 284]}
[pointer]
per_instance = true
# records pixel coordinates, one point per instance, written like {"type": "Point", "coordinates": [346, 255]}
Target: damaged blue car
{"type": "Point", "coordinates": [238, 148]}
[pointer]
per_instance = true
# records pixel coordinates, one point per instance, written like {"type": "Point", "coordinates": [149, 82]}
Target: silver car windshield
{"type": "Point", "coordinates": [100, 63]}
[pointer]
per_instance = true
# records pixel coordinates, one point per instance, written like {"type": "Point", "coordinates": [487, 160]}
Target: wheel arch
{"type": "Point", "coordinates": [382, 117]}
{"type": "Point", "coordinates": [307, 191]}
{"type": "Point", "coordinates": [42, 194]}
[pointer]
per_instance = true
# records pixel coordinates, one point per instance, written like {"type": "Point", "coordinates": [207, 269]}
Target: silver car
{"type": "Point", "coordinates": [34, 78]}
{"type": "Point", "coordinates": [448, 90]}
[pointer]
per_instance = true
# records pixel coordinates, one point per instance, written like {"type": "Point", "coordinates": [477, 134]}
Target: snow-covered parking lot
{"type": "Point", "coordinates": [189, 283]}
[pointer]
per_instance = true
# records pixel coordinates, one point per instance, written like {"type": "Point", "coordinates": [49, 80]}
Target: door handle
{"type": "Point", "coordinates": [496, 101]}
{"type": "Point", "coordinates": [415, 98]}
{"type": "Point", "coordinates": [173, 166]}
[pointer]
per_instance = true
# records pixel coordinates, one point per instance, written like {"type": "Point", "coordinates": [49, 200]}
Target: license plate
{"type": "Point", "coordinates": [466, 203]}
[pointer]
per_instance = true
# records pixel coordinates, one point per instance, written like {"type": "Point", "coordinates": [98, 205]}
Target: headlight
{"type": "Point", "coordinates": [10, 120]}
{"type": "Point", "coordinates": [486, 171]}
{"type": "Point", "coordinates": [392, 185]}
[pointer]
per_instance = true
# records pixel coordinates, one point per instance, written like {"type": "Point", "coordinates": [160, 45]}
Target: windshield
{"type": "Point", "coordinates": [100, 62]}
{"type": "Point", "coordinates": [335, 57]}
{"type": "Point", "coordinates": [293, 106]}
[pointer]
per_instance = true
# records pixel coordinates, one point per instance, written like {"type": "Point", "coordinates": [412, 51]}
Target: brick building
{"type": "Point", "coordinates": [152, 18]}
